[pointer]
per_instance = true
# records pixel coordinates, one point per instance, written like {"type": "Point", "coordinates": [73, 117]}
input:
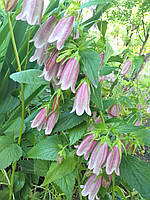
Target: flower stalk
{"type": "Point", "coordinates": [22, 100]}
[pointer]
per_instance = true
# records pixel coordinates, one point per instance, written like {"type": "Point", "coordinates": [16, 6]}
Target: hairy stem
{"type": "Point", "coordinates": [22, 101]}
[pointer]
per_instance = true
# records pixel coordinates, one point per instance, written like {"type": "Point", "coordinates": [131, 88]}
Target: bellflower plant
{"type": "Point", "coordinates": [31, 11]}
{"type": "Point", "coordinates": [10, 4]}
{"type": "Point", "coordinates": [62, 31]}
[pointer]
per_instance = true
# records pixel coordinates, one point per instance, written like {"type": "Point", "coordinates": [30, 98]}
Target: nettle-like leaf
{"type": "Point", "coordinates": [108, 53]}
{"type": "Point", "coordinates": [76, 133]}
{"type": "Point", "coordinates": [47, 149]}
{"type": "Point", "coordinates": [106, 69]}
{"type": "Point", "coordinates": [91, 62]}
{"type": "Point", "coordinates": [19, 181]}
{"type": "Point", "coordinates": [9, 152]}
{"type": "Point", "coordinates": [93, 3]}
{"type": "Point", "coordinates": [57, 171]}
{"type": "Point", "coordinates": [30, 76]}
{"type": "Point", "coordinates": [96, 96]}
{"type": "Point", "coordinates": [136, 173]}
{"type": "Point", "coordinates": [138, 62]}
{"type": "Point", "coordinates": [69, 120]}
{"type": "Point", "coordinates": [66, 184]}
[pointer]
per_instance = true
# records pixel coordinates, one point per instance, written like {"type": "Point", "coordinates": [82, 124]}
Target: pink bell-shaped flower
{"type": "Point", "coordinates": [126, 68]}
{"type": "Point", "coordinates": [10, 5]}
{"type": "Point", "coordinates": [31, 11]}
{"type": "Point", "coordinates": [69, 75]}
{"type": "Point", "coordinates": [43, 33]}
{"type": "Point", "coordinates": [98, 158]}
{"type": "Point", "coordinates": [40, 119]}
{"type": "Point", "coordinates": [92, 187]}
{"type": "Point", "coordinates": [86, 147]}
{"type": "Point", "coordinates": [82, 100]}
{"type": "Point", "coordinates": [62, 31]}
{"type": "Point", "coordinates": [41, 55]}
{"type": "Point", "coordinates": [102, 58]}
{"type": "Point", "coordinates": [51, 121]}
{"type": "Point", "coordinates": [113, 161]}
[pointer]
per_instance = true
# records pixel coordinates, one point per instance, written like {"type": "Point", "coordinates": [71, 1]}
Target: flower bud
{"type": "Point", "coordinates": [10, 5]}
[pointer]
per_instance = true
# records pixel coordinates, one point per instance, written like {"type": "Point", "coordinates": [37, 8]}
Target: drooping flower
{"type": "Point", "coordinates": [51, 121]}
{"type": "Point", "coordinates": [114, 110]}
{"type": "Point", "coordinates": [56, 102]}
{"type": "Point", "coordinates": [86, 147]}
{"type": "Point", "coordinates": [69, 75]}
{"type": "Point", "coordinates": [82, 100]}
{"type": "Point", "coordinates": [59, 159]}
{"type": "Point", "coordinates": [113, 161]}
{"type": "Point", "coordinates": [40, 119]}
{"type": "Point", "coordinates": [43, 33]}
{"type": "Point", "coordinates": [10, 5]}
{"type": "Point", "coordinates": [41, 55]}
{"type": "Point", "coordinates": [52, 60]}
{"type": "Point", "coordinates": [62, 31]}
{"type": "Point", "coordinates": [102, 58]}
{"type": "Point", "coordinates": [98, 157]}
{"type": "Point", "coordinates": [92, 187]}
{"type": "Point", "coordinates": [137, 123]}
{"type": "Point", "coordinates": [31, 11]}
{"type": "Point", "coordinates": [126, 68]}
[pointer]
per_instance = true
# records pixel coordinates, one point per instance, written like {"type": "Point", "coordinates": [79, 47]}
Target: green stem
{"type": "Point", "coordinates": [22, 100]}
{"type": "Point", "coordinates": [102, 118]}
{"type": "Point", "coordinates": [131, 195]}
{"type": "Point", "coordinates": [80, 196]}
{"type": "Point", "coordinates": [28, 45]}
{"type": "Point", "coordinates": [113, 186]}
{"type": "Point", "coordinates": [46, 190]}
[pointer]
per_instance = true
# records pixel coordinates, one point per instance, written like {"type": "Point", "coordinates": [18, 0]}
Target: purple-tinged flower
{"type": "Point", "coordinates": [106, 183]}
{"type": "Point", "coordinates": [43, 33]}
{"type": "Point", "coordinates": [98, 158]}
{"type": "Point", "coordinates": [59, 159]}
{"type": "Point", "coordinates": [113, 161]}
{"type": "Point", "coordinates": [86, 147]}
{"type": "Point", "coordinates": [55, 104]}
{"type": "Point", "coordinates": [51, 121]}
{"type": "Point", "coordinates": [101, 78]}
{"type": "Point", "coordinates": [60, 70]}
{"type": "Point", "coordinates": [82, 100]}
{"type": "Point", "coordinates": [92, 187]}
{"type": "Point", "coordinates": [137, 123]}
{"type": "Point", "coordinates": [148, 109]}
{"type": "Point", "coordinates": [10, 5]}
{"type": "Point", "coordinates": [62, 31]}
{"type": "Point", "coordinates": [40, 119]}
{"type": "Point", "coordinates": [114, 110]}
{"type": "Point", "coordinates": [126, 68]}
{"type": "Point", "coordinates": [77, 35]}
{"type": "Point", "coordinates": [102, 58]}
{"type": "Point", "coordinates": [41, 55]}
{"type": "Point", "coordinates": [51, 74]}
{"type": "Point", "coordinates": [69, 75]}
{"type": "Point", "coordinates": [139, 106]}
{"type": "Point", "coordinates": [31, 11]}
{"type": "Point", "coordinates": [52, 60]}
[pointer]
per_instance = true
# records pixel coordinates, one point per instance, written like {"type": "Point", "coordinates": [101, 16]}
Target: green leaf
{"type": "Point", "coordinates": [47, 149]}
{"type": "Point", "coordinates": [126, 128]}
{"type": "Point", "coordinates": [76, 133]}
{"type": "Point", "coordinates": [143, 135]}
{"type": "Point", "coordinates": [106, 69]}
{"type": "Point", "coordinates": [91, 62]}
{"type": "Point", "coordinates": [108, 53]}
{"type": "Point", "coordinates": [93, 3]}
{"type": "Point", "coordinates": [102, 26]}
{"type": "Point", "coordinates": [14, 129]}
{"type": "Point", "coordinates": [30, 76]}
{"type": "Point", "coordinates": [96, 96]}
{"type": "Point", "coordinates": [136, 173]}
{"type": "Point", "coordinates": [108, 103]}
{"type": "Point", "coordinates": [19, 181]}
{"type": "Point", "coordinates": [68, 121]}
{"type": "Point", "coordinates": [138, 62]}
{"type": "Point", "coordinates": [27, 166]}
{"type": "Point", "coordinates": [57, 171]}
{"type": "Point", "coordinates": [116, 58]}
{"type": "Point", "coordinates": [66, 184]}
{"type": "Point", "coordinates": [9, 152]}
{"type": "Point", "coordinates": [41, 167]}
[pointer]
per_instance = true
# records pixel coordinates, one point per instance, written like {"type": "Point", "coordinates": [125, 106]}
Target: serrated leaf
{"type": "Point", "coordinates": [108, 53]}
{"type": "Point", "coordinates": [68, 121]}
{"type": "Point", "coordinates": [136, 173]}
{"type": "Point", "coordinates": [102, 26]}
{"type": "Point", "coordinates": [9, 155]}
{"type": "Point", "coordinates": [76, 133]}
{"type": "Point", "coordinates": [106, 69]}
{"type": "Point", "coordinates": [41, 167]}
{"type": "Point", "coordinates": [27, 166]}
{"type": "Point", "coordinates": [66, 184]}
{"type": "Point", "coordinates": [93, 3]}
{"type": "Point", "coordinates": [57, 171]}
{"type": "Point", "coordinates": [30, 76]}
{"type": "Point", "coordinates": [96, 96]}
{"type": "Point", "coordinates": [91, 62]}
{"type": "Point", "coordinates": [142, 135]}
{"type": "Point", "coordinates": [19, 181]}
{"type": "Point", "coordinates": [47, 149]}
{"type": "Point", "coordinates": [116, 58]}
{"type": "Point", "coordinates": [138, 62]}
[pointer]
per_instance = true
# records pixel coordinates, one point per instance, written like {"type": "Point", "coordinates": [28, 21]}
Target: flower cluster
{"type": "Point", "coordinates": [45, 119]}
{"type": "Point", "coordinates": [100, 158]}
